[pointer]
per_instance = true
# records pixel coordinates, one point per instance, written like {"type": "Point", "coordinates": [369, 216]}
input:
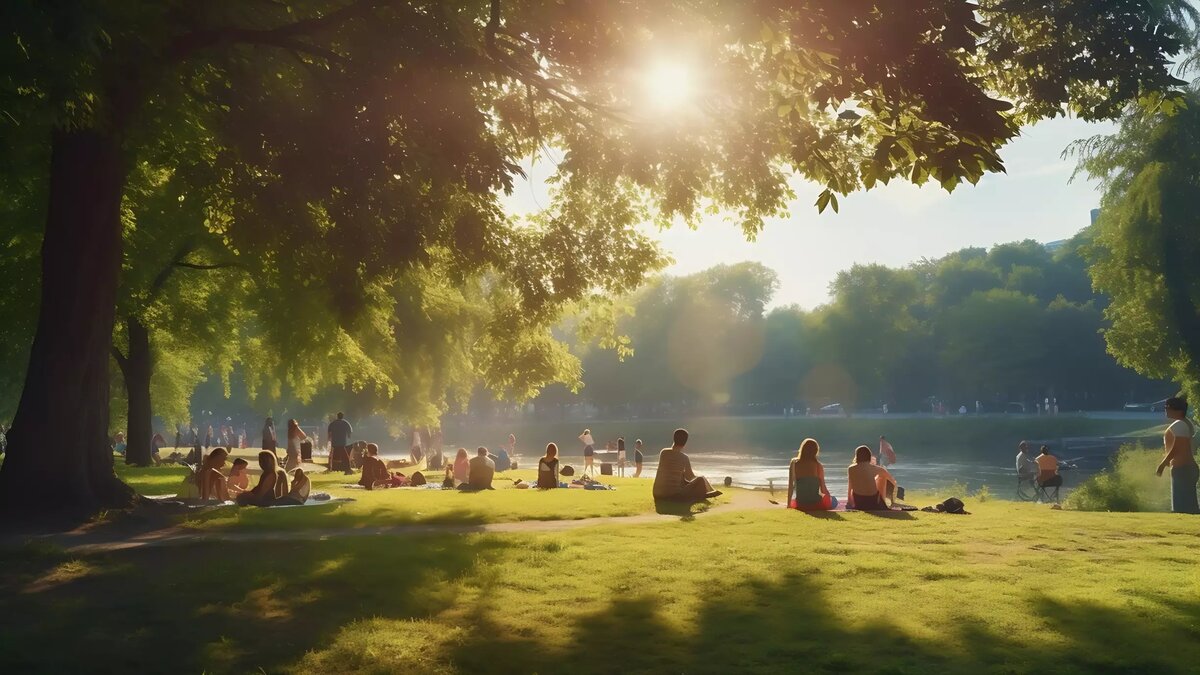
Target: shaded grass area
{"type": "Point", "coordinates": [378, 508]}
{"type": "Point", "coordinates": [1012, 588]}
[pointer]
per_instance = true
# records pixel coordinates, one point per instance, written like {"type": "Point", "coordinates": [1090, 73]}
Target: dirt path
{"type": "Point", "coordinates": [99, 540]}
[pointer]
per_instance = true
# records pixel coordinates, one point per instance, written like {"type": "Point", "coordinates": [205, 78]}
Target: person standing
{"type": "Point", "coordinates": [1177, 442]}
{"type": "Point", "coordinates": [621, 456]}
{"type": "Point", "coordinates": [295, 435]}
{"type": "Point", "coordinates": [339, 444]}
{"type": "Point", "coordinates": [269, 441]}
{"type": "Point", "coordinates": [589, 452]}
{"type": "Point", "coordinates": [638, 458]}
{"type": "Point", "coordinates": [208, 437]}
{"type": "Point", "coordinates": [887, 454]}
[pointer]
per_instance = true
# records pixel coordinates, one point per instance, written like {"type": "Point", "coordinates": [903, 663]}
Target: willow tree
{"type": "Point", "coordinates": [1147, 240]}
{"type": "Point", "coordinates": [357, 139]}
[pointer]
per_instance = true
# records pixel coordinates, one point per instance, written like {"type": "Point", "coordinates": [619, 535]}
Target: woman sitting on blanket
{"type": "Point", "coordinates": [209, 479]}
{"type": "Point", "coordinates": [462, 466]}
{"type": "Point", "coordinates": [239, 478]}
{"type": "Point", "coordinates": [299, 492]}
{"type": "Point", "coordinates": [548, 468]}
{"type": "Point", "coordinates": [806, 481]}
{"type": "Point", "coordinates": [272, 484]}
{"type": "Point", "coordinates": [869, 483]}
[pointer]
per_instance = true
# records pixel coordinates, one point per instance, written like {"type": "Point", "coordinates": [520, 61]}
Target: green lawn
{"type": "Point", "coordinates": [1012, 588]}
{"type": "Point", "coordinates": [380, 508]}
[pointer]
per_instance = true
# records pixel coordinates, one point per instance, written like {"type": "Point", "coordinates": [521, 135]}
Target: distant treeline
{"type": "Point", "coordinates": [1015, 324]}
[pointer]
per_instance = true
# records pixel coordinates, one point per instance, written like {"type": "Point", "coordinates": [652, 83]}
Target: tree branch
{"type": "Point", "coordinates": [120, 358]}
{"type": "Point", "coordinates": [547, 86]}
{"type": "Point", "coordinates": [280, 36]}
{"type": "Point", "coordinates": [206, 266]}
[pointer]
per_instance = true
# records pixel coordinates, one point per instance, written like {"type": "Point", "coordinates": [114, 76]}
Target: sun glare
{"type": "Point", "coordinates": [668, 85]}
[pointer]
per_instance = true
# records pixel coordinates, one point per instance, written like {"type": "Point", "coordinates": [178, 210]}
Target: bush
{"type": "Point", "coordinates": [1128, 485]}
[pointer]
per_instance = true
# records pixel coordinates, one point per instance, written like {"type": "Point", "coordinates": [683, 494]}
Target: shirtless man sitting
{"type": "Point", "coordinates": [869, 483]}
{"type": "Point", "coordinates": [675, 481]}
{"type": "Point", "coordinates": [1177, 442]}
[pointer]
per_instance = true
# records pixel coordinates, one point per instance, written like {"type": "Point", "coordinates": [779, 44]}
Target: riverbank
{"type": "Point", "coordinates": [765, 590]}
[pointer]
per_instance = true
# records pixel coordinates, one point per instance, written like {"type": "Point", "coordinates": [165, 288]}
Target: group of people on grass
{"type": "Point", "coordinates": [871, 486]}
{"type": "Point", "coordinates": [272, 488]}
{"type": "Point", "coordinates": [618, 447]}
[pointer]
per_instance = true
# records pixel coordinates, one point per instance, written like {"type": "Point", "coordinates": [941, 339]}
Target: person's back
{"type": "Point", "coordinates": [503, 462]}
{"type": "Point", "coordinates": [1047, 466]}
{"type": "Point", "coordinates": [674, 469]}
{"type": "Point", "coordinates": [547, 473]}
{"type": "Point", "coordinates": [340, 432]}
{"type": "Point", "coordinates": [301, 487]}
{"type": "Point", "coordinates": [462, 467]}
{"type": "Point", "coordinates": [373, 471]}
{"type": "Point", "coordinates": [483, 469]}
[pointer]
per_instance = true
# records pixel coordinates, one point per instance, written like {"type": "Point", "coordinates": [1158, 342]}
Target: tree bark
{"type": "Point", "coordinates": [59, 462]}
{"type": "Point", "coordinates": [136, 369]}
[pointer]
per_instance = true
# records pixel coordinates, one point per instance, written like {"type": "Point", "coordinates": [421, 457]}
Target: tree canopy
{"type": "Point", "coordinates": [351, 152]}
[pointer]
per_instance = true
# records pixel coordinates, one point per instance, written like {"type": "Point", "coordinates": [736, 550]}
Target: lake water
{"type": "Point", "coordinates": [763, 470]}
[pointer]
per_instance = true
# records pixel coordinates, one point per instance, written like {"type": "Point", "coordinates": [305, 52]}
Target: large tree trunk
{"type": "Point", "coordinates": [136, 369]}
{"type": "Point", "coordinates": [59, 462]}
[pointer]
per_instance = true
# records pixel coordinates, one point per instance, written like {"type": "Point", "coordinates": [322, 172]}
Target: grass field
{"type": "Point", "coordinates": [380, 508]}
{"type": "Point", "coordinates": [1012, 588]}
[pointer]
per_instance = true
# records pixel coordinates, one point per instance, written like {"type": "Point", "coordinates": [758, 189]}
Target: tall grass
{"type": "Point", "coordinates": [1128, 485]}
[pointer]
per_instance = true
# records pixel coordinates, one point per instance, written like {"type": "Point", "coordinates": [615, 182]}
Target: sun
{"type": "Point", "coordinates": [668, 85]}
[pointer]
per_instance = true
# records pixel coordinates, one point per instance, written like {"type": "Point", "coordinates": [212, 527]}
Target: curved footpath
{"type": "Point", "coordinates": [97, 540]}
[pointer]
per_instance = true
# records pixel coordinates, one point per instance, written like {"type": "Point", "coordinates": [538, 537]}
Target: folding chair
{"type": "Point", "coordinates": [1048, 493]}
{"type": "Point", "coordinates": [1027, 487]}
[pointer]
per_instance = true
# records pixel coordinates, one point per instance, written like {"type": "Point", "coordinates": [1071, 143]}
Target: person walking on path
{"type": "Point", "coordinates": [339, 444]}
{"type": "Point", "coordinates": [269, 441]}
{"type": "Point", "coordinates": [294, 436]}
{"type": "Point", "coordinates": [1177, 441]}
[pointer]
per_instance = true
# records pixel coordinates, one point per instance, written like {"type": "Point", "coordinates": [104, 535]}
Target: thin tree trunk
{"type": "Point", "coordinates": [136, 369]}
{"type": "Point", "coordinates": [58, 461]}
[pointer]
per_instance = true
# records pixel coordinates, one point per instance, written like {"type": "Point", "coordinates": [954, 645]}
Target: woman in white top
{"type": "Point", "coordinates": [294, 436]}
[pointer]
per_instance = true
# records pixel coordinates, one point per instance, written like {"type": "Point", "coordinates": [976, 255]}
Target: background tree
{"type": "Point", "coordinates": [1146, 243]}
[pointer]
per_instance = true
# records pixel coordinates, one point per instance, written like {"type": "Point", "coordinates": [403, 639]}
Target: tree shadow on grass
{"type": "Point", "coordinates": [684, 510]}
{"type": "Point", "coordinates": [297, 605]}
{"type": "Point", "coordinates": [218, 607]}
{"type": "Point", "coordinates": [789, 626]}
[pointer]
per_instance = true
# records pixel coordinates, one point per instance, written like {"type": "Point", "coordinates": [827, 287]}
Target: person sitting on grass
{"type": "Point", "coordinates": [1177, 440]}
{"type": "Point", "coordinates": [869, 483]}
{"type": "Point", "coordinates": [675, 480]}
{"type": "Point", "coordinates": [483, 469]}
{"type": "Point", "coordinates": [462, 466]}
{"type": "Point", "coordinates": [272, 484]}
{"type": "Point", "coordinates": [299, 492]}
{"type": "Point", "coordinates": [548, 468]}
{"type": "Point", "coordinates": [209, 479]}
{"type": "Point", "coordinates": [806, 481]}
{"type": "Point", "coordinates": [239, 478]}
{"type": "Point", "coordinates": [375, 473]}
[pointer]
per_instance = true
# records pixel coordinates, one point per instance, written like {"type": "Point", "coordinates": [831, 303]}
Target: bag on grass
{"type": "Point", "coordinates": [951, 505]}
{"type": "Point", "coordinates": [417, 479]}
{"type": "Point", "coordinates": [567, 470]}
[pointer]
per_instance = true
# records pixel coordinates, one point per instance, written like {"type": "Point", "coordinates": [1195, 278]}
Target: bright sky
{"type": "Point", "coordinates": [895, 224]}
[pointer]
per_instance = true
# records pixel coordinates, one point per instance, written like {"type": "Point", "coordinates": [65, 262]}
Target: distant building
{"type": "Point", "coordinates": [1053, 246]}
{"type": "Point", "coordinates": [1095, 214]}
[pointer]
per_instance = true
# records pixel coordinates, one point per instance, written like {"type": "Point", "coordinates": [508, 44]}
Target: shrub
{"type": "Point", "coordinates": [1128, 485]}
